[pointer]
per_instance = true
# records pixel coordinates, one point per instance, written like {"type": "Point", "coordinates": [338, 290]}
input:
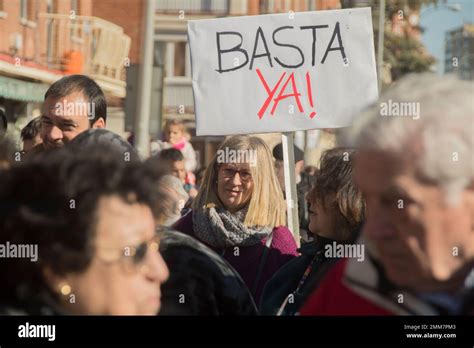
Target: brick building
{"type": "Point", "coordinates": [43, 40]}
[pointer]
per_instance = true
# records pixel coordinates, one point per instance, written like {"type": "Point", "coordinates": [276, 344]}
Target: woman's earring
{"type": "Point", "coordinates": [65, 289]}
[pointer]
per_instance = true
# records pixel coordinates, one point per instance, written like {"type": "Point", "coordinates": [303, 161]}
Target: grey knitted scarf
{"type": "Point", "coordinates": [220, 228]}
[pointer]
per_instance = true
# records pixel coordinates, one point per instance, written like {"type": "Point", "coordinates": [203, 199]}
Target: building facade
{"type": "Point", "coordinates": [43, 40]}
{"type": "Point", "coordinates": [459, 54]}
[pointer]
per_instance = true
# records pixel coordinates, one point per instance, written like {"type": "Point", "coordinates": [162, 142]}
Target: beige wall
{"type": "Point", "coordinates": [129, 15]}
{"type": "Point", "coordinates": [11, 26]}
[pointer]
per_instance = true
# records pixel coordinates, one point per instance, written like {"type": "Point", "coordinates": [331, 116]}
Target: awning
{"type": "Point", "coordinates": [22, 90]}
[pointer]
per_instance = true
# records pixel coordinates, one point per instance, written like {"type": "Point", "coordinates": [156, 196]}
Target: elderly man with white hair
{"type": "Point", "coordinates": [417, 175]}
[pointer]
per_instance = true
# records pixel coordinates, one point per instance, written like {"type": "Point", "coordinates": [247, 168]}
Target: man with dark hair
{"type": "Point", "coordinates": [175, 160]}
{"type": "Point", "coordinates": [30, 134]}
{"type": "Point", "coordinates": [72, 105]}
{"type": "Point", "coordinates": [172, 161]}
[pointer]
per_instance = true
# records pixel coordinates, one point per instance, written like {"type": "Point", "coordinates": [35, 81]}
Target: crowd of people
{"type": "Point", "coordinates": [87, 226]}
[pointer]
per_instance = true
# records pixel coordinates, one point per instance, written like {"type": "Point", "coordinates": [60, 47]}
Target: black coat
{"type": "Point", "coordinates": [286, 280]}
{"type": "Point", "coordinates": [201, 282]}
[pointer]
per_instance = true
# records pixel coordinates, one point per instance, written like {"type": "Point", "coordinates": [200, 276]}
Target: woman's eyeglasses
{"type": "Point", "coordinates": [229, 173]}
{"type": "Point", "coordinates": [131, 257]}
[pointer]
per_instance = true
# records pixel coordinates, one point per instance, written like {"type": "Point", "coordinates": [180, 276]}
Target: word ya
{"type": "Point", "coordinates": [261, 41]}
{"type": "Point", "coordinates": [391, 108]}
{"type": "Point", "coordinates": [335, 250]}
{"type": "Point", "coordinates": [37, 331]}
{"type": "Point", "coordinates": [77, 108]}
{"type": "Point", "coordinates": [23, 251]}
{"type": "Point", "coordinates": [289, 80]}
{"type": "Point", "coordinates": [237, 156]}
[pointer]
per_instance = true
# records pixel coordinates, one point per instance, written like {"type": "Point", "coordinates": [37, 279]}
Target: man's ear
{"type": "Point", "coordinates": [99, 123]}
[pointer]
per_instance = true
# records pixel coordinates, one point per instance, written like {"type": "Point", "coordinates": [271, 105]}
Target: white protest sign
{"type": "Point", "coordinates": [282, 72]}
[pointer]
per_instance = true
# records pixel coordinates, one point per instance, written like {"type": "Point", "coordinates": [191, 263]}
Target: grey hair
{"type": "Point", "coordinates": [444, 128]}
{"type": "Point", "coordinates": [174, 183]}
{"type": "Point", "coordinates": [173, 198]}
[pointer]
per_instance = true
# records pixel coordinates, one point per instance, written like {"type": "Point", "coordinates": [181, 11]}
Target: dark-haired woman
{"type": "Point", "coordinates": [337, 211]}
{"type": "Point", "coordinates": [83, 221]}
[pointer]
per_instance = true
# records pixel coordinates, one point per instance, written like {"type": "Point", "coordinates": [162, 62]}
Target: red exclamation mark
{"type": "Point", "coordinates": [310, 94]}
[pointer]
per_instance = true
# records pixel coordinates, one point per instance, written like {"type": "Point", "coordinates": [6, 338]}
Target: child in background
{"type": "Point", "coordinates": [175, 136]}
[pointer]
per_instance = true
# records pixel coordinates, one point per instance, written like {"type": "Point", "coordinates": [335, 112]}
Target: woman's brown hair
{"type": "Point", "coordinates": [337, 193]}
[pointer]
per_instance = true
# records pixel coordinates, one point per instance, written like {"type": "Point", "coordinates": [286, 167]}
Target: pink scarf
{"type": "Point", "coordinates": [180, 145]}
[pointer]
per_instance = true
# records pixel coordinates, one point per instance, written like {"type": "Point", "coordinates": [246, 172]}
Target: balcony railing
{"type": "Point", "coordinates": [215, 7]}
{"type": "Point", "coordinates": [82, 44]}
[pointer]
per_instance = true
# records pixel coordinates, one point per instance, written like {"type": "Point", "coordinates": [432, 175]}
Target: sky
{"type": "Point", "coordinates": [437, 21]}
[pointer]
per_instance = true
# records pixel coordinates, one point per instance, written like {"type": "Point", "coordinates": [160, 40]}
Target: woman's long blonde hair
{"type": "Point", "coordinates": [267, 206]}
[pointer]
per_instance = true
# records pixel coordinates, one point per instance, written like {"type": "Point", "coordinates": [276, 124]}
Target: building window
{"type": "Point", "coordinates": [51, 7]}
{"type": "Point", "coordinates": [75, 7]}
{"type": "Point", "coordinates": [27, 13]}
{"type": "Point", "coordinates": [174, 55]}
{"type": "Point", "coordinates": [24, 9]}
{"type": "Point", "coordinates": [2, 10]}
{"type": "Point", "coordinates": [179, 59]}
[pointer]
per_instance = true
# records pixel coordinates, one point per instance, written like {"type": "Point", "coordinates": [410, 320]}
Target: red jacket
{"type": "Point", "coordinates": [332, 297]}
{"type": "Point", "coordinates": [359, 288]}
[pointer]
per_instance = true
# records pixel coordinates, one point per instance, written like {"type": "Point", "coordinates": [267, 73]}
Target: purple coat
{"type": "Point", "coordinates": [246, 263]}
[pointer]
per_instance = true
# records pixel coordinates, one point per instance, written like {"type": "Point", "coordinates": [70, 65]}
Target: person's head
{"type": "Point", "coordinates": [175, 160]}
{"type": "Point", "coordinates": [174, 131]}
{"type": "Point", "coordinates": [417, 176]}
{"type": "Point", "coordinates": [71, 105]}
{"type": "Point", "coordinates": [172, 199]}
{"type": "Point", "coordinates": [279, 167]}
{"type": "Point", "coordinates": [103, 138]}
{"type": "Point", "coordinates": [30, 134]}
{"type": "Point", "coordinates": [337, 209]}
{"type": "Point", "coordinates": [233, 184]}
{"type": "Point", "coordinates": [89, 215]}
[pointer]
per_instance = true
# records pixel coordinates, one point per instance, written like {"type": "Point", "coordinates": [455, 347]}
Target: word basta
{"type": "Point", "coordinates": [260, 43]}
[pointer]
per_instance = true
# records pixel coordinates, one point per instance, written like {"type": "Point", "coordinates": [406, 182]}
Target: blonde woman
{"type": "Point", "coordinates": [240, 212]}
